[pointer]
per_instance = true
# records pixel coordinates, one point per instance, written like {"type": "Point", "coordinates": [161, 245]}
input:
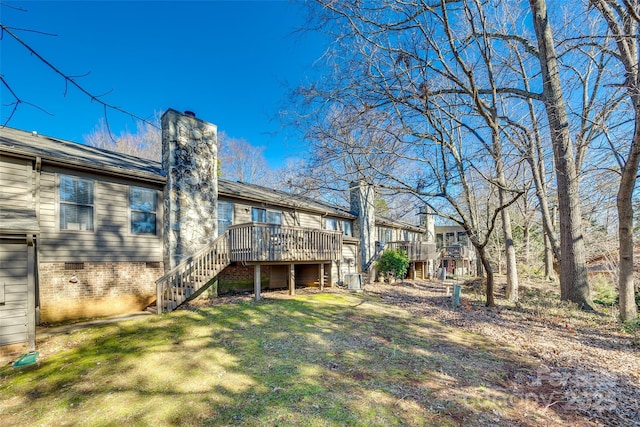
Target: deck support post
{"type": "Point", "coordinates": [292, 279]}
{"type": "Point", "coordinates": [256, 282]}
{"type": "Point", "coordinates": [321, 276]}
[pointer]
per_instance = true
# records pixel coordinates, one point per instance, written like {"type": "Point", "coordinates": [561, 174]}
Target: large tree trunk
{"type": "Point", "coordinates": [628, 308]}
{"type": "Point", "coordinates": [548, 259]}
{"type": "Point", "coordinates": [488, 271]}
{"type": "Point", "coordinates": [574, 285]}
{"type": "Point", "coordinates": [625, 29]}
{"type": "Point", "coordinates": [510, 251]}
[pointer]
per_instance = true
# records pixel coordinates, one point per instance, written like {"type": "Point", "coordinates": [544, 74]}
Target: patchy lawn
{"type": "Point", "coordinates": [315, 359]}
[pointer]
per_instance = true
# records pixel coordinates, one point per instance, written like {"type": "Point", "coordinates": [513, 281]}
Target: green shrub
{"type": "Point", "coordinates": [605, 292]}
{"type": "Point", "coordinates": [394, 261]}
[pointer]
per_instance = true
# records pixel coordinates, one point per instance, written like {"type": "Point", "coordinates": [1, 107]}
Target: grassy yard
{"type": "Point", "coordinates": [315, 360]}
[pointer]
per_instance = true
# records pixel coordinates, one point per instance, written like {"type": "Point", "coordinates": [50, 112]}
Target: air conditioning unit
{"type": "Point", "coordinates": [353, 281]}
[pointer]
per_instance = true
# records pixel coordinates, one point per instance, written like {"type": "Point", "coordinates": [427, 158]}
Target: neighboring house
{"type": "Point", "coordinates": [457, 254]}
{"type": "Point", "coordinates": [87, 232]}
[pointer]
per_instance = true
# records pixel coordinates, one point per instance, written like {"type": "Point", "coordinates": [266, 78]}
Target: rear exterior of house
{"type": "Point", "coordinates": [456, 253]}
{"type": "Point", "coordinates": [78, 223]}
{"type": "Point", "coordinates": [88, 233]}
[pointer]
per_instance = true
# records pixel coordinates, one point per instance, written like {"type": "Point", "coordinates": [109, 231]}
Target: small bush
{"type": "Point", "coordinates": [394, 261]}
{"type": "Point", "coordinates": [605, 292]}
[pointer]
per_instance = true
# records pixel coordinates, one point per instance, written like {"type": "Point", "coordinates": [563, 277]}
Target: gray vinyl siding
{"type": "Point", "coordinates": [15, 183]}
{"type": "Point", "coordinates": [13, 281]}
{"type": "Point", "coordinates": [111, 240]}
{"type": "Point", "coordinates": [309, 220]}
{"type": "Point", "coordinates": [290, 218]}
{"type": "Point", "coordinates": [241, 213]}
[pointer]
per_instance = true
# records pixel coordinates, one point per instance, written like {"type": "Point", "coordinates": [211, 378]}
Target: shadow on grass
{"type": "Point", "coordinates": [583, 390]}
{"type": "Point", "coordinates": [311, 360]}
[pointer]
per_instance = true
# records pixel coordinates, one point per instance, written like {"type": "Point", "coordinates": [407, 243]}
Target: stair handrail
{"type": "Point", "coordinates": [162, 282]}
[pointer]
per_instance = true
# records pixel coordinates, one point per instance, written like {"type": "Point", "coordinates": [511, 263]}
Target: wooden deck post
{"type": "Point", "coordinates": [256, 282]}
{"type": "Point", "coordinates": [292, 279]}
{"type": "Point", "coordinates": [321, 276]}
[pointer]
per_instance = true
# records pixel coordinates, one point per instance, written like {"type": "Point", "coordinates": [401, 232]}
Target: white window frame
{"type": "Point", "coordinates": [336, 224]}
{"type": "Point", "coordinates": [152, 212]}
{"type": "Point", "coordinates": [230, 220]}
{"type": "Point", "coordinates": [266, 213]}
{"type": "Point", "coordinates": [62, 203]}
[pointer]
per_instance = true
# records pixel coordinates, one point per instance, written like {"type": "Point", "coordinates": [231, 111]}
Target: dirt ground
{"type": "Point", "coordinates": [587, 365]}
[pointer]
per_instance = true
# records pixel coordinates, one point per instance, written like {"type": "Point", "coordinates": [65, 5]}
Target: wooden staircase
{"type": "Point", "coordinates": [192, 274]}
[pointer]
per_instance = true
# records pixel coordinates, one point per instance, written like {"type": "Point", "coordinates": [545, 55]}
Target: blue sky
{"type": "Point", "coordinates": [230, 62]}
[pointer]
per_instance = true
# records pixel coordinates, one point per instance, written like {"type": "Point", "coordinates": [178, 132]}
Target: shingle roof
{"type": "Point", "coordinates": [78, 156]}
{"type": "Point", "coordinates": [243, 190]}
{"type": "Point", "coordinates": [57, 151]}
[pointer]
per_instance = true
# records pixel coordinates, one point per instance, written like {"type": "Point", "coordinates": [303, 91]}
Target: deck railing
{"type": "Point", "coordinates": [416, 251]}
{"type": "Point", "coordinates": [192, 274]}
{"type": "Point", "coordinates": [256, 242]}
{"type": "Point", "coordinates": [455, 251]}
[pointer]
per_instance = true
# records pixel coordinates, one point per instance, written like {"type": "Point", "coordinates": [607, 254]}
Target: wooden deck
{"type": "Point", "coordinates": [252, 242]}
{"type": "Point", "coordinates": [255, 242]}
{"type": "Point", "coordinates": [417, 251]}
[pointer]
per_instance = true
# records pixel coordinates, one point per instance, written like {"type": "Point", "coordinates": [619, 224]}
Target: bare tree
{"type": "Point", "coordinates": [145, 143]}
{"type": "Point", "coordinates": [622, 17]}
{"type": "Point", "coordinates": [242, 161]}
{"type": "Point", "coordinates": [574, 285]}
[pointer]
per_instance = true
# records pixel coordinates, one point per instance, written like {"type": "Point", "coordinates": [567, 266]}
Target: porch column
{"type": "Point", "coordinates": [321, 276]}
{"type": "Point", "coordinates": [413, 271]}
{"type": "Point", "coordinates": [256, 282]}
{"type": "Point", "coordinates": [292, 279]}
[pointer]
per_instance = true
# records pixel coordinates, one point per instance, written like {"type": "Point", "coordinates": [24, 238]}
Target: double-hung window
{"type": "Point", "coordinates": [143, 203]}
{"type": "Point", "coordinates": [331, 224]}
{"type": "Point", "coordinates": [225, 216]}
{"type": "Point", "coordinates": [76, 203]}
{"type": "Point", "coordinates": [346, 228]}
{"type": "Point", "coordinates": [338, 225]}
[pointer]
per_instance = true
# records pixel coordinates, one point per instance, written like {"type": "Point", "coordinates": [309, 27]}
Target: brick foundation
{"type": "Point", "coordinates": [99, 289]}
{"type": "Point", "coordinates": [238, 278]}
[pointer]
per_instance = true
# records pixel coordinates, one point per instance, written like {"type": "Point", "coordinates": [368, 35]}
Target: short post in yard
{"type": "Point", "coordinates": [456, 295]}
{"type": "Point", "coordinates": [256, 282]}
